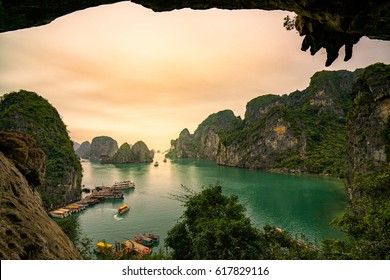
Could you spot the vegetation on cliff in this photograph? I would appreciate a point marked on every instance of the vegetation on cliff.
(28, 112)
(138, 153)
(304, 131)
(102, 148)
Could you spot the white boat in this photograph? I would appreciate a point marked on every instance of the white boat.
(128, 184)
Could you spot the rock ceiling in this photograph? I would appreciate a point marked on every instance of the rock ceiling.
(328, 24)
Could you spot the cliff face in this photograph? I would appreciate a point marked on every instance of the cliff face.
(329, 25)
(138, 153)
(84, 150)
(369, 124)
(206, 138)
(141, 153)
(28, 112)
(26, 232)
(102, 148)
(301, 132)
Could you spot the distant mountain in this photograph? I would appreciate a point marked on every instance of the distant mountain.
(102, 148)
(28, 112)
(75, 145)
(83, 151)
(138, 153)
(304, 131)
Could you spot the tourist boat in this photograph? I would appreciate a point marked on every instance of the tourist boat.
(102, 246)
(123, 185)
(124, 208)
(156, 163)
(149, 240)
(60, 214)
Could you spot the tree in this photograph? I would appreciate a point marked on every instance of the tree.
(213, 226)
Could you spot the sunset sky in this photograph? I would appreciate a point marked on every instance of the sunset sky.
(127, 72)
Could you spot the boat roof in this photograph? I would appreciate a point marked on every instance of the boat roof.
(103, 244)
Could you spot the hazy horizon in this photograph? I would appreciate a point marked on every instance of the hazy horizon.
(132, 74)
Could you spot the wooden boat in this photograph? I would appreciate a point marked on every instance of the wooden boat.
(58, 214)
(149, 240)
(141, 250)
(124, 208)
(123, 185)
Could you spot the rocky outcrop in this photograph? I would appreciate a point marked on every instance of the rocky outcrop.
(304, 131)
(205, 140)
(102, 148)
(28, 112)
(84, 150)
(123, 155)
(26, 231)
(329, 25)
(141, 153)
(369, 124)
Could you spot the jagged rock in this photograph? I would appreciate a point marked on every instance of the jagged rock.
(123, 155)
(102, 148)
(300, 132)
(330, 25)
(21, 149)
(28, 112)
(369, 124)
(205, 140)
(141, 152)
(84, 150)
(27, 232)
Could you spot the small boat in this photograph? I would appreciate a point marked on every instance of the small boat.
(102, 247)
(124, 208)
(58, 214)
(165, 160)
(86, 190)
(156, 163)
(149, 240)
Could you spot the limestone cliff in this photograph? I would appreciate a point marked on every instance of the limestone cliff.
(205, 140)
(27, 111)
(329, 25)
(26, 231)
(300, 132)
(102, 148)
(369, 124)
(84, 150)
(141, 153)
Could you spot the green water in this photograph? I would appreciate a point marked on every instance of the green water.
(299, 204)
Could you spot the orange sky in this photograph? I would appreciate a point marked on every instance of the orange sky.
(132, 74)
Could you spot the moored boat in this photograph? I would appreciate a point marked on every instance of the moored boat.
(149, 240)
(124, 208)
(103, 247)
(58, 214)
(123, 185)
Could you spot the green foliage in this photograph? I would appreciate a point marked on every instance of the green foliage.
(386, 137)
(28, 112)
(214, 226)
(70, 226)
(289, 23)
(367, 221)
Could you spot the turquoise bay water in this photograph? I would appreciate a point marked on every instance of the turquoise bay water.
(300, 204)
